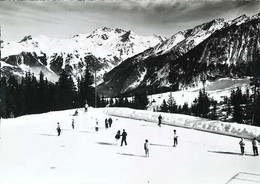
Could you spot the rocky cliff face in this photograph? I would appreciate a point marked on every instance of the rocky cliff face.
(209, 51)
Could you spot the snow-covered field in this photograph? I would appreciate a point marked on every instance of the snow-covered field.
(216, 90)
(31, 152)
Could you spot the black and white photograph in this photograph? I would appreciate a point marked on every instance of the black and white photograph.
(129, 92)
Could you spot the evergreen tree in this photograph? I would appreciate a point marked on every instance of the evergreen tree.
(3, 94)
(11, 91)
(66, 91)
(185, 108)
(203, 104)
(111, 102)
(140, 100)
(194, 107)
(164, 107)
(172, 106)
(126, 102)
(237, 112)
(86, 91)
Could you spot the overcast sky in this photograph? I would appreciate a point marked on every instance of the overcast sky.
(63, 19)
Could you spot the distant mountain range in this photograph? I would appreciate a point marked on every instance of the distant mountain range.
(209, 51)
(127, 63)
(105, 48)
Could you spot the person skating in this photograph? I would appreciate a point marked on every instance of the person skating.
(146, 148)
(110, 122)
(106, 123)
(160, 120)
(242, 146)
(175, 138)
(124, 134)
(72, 123)
(255, 147)
(58, 129)
(96, 128)
(118, 135)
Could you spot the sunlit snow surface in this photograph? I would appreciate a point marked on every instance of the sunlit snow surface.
(32, 153)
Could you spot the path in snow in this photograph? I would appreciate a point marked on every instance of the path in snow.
(31, 152)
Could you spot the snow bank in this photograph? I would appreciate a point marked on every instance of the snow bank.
(214, 126)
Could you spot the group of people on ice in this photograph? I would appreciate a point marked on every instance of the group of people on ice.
(123, 135)
(108, 122)
(254, 146)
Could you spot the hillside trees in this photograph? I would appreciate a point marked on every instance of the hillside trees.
(29, 95)
(86, 92)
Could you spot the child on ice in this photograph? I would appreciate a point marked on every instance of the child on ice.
(146, 148)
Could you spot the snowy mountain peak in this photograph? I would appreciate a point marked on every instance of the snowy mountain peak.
(239, 20)
(107, 46)
(257, 16)
(26, 38)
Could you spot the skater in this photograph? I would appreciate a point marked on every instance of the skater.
(146, 148)
(160, 120)
(255, 147)
(124, 134)
(242, 146)
(96, 128)
(110, 122)
(117, 135)
(72, 124)
(58, 129)
(175, 138)
(106, 123)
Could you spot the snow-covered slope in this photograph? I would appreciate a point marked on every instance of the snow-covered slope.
(107, 46)
(214, 50)
(31, 152)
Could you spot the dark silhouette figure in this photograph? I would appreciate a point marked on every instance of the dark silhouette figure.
(75, 113)
(146, 148)
(255, 147)
(58, 129)
(110, 121)
(118, 135)
(96, 128)
(160, 120)
(72, 124)
(242, 146)
(106, 123)
(175, 138)
(124, 134)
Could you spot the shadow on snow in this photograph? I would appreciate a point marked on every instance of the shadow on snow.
(228, 153)
(107, 143)
(132, 155)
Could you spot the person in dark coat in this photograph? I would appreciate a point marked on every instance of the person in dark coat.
(96, 128)
(118, 135)
(72, 124)
(175, 138)
(58, 129)
(160, 120)
(124, 134)
(242, 146)
(255, 147)
(110, 122)
(106, 123)
(146, 148)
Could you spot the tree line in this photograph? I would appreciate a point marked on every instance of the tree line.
(29, 95)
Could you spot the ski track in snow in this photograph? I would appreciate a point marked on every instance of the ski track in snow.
(31, 152)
